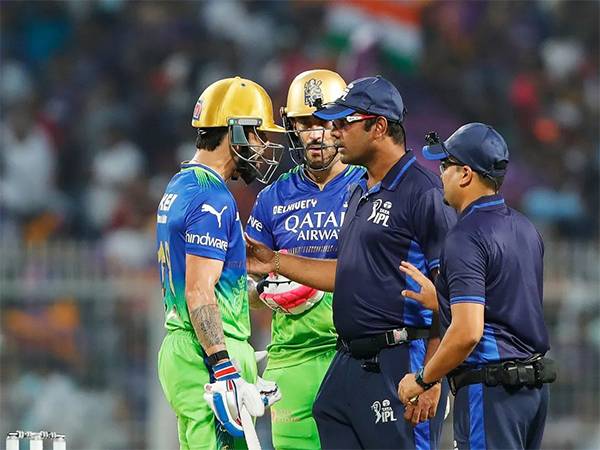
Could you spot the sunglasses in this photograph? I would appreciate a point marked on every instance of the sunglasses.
(342, 124)
(445, 163)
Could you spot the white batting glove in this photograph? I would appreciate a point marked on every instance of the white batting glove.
(230, 392)
(288, 297)
(261, 355)
(227, 395)
(269, 391)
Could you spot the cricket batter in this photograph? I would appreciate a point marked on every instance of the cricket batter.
(201, 256)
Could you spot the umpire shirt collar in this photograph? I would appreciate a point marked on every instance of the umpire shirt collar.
(394, 176)
(485, 203)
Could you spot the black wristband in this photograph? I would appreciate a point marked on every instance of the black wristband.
(421, 382)
(216, 357)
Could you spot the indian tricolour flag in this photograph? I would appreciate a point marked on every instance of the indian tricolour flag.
(395, 24)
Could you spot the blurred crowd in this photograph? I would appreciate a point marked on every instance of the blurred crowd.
(96, 99)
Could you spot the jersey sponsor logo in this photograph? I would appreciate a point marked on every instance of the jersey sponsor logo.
(255, 223)
(383, 411)
(301, 204)
(166, 202)
(380, 214)
(209, 209)
(313, 95)
(206, 240)
(315, 226)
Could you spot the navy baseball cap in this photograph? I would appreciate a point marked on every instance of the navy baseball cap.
(476, 145)
(370, 95)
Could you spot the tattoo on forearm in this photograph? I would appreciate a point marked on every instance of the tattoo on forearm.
(206, 320)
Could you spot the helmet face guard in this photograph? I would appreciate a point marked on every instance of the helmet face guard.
(255, 161)
(298, 149)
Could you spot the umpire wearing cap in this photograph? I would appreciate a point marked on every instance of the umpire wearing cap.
(489, 294)
(395, 213)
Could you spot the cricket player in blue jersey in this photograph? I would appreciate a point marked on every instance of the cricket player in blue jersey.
(206, 365)
(489, 294)
(302, 212)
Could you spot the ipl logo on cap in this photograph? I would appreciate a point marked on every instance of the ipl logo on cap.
(197, 109)
(313, 95)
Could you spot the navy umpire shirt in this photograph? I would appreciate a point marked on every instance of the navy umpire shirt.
(494, 257)
(402, 218)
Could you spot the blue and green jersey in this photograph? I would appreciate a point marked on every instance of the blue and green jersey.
(198, 216)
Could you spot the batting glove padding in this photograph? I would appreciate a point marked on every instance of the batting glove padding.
(230, 392)
(269, 391)
(283, 295)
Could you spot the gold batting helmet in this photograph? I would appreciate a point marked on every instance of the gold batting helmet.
(234, 98)
(308, 92)
(311, 90)
(240, 104)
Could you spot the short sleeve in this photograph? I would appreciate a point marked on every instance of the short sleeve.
(208, 223)
(465, 263)
(432, 220)
(259, 224)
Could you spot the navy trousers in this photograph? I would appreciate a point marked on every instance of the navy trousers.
(499, 418)
(356, 408)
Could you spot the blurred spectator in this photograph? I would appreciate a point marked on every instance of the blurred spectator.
(28, 161)
(530, 69)
(117, 163)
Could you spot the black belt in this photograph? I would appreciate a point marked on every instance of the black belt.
(517, 373)
(368, 347)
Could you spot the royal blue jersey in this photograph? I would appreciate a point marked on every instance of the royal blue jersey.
(494, 257)
(198, 216)
(402, 218)
(296, 215)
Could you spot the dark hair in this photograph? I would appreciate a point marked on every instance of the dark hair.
(491, 182)
(395, 130)
(210, 138)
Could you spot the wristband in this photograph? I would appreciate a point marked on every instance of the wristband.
(225, 370)
(216, 357)
(421, 382)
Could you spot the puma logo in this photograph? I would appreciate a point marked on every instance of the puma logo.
(209, 209)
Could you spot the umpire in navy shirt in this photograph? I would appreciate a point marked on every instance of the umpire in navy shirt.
(489, 294)
(395, 213)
